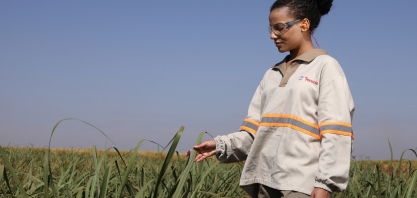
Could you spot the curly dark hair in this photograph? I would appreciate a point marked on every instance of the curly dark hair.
(310, 9)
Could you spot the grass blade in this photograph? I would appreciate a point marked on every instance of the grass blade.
(187, 170)
(167, 160)
(1, 172)
(105, 182)
(412, 187)
(13, 173)
(141, 192)
(207, 172)
(128, 169)
(7, 181)
(59, 122)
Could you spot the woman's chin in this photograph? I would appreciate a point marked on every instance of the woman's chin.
(282, 50)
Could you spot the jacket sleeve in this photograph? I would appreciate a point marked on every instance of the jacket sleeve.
(236, 146)
(335, 111)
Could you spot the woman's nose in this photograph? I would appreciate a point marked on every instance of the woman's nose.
(272, 35)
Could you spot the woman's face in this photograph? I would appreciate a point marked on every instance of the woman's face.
(289, 38)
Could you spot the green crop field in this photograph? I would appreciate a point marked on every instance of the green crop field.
(89, 173)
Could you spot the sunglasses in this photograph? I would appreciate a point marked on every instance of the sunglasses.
(280, 28)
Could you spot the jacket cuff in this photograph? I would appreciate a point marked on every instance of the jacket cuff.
(220, 146)
(320, 183)
(323, 182)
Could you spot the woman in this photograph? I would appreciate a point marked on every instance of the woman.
(297, 137)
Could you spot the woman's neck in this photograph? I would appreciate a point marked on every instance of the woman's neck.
(301, 50)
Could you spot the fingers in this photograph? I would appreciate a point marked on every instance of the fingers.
(313, 194)
(207, 144)
(196, 147)
(211, 153)
(202, 145)
(201, 156)
(204, 150)
(320, 193)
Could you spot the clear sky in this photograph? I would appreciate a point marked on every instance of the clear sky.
(141, 69)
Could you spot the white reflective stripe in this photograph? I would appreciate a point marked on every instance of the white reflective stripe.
(250, 125)
(336, 127)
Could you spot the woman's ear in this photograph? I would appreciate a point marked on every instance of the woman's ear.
(305, 25)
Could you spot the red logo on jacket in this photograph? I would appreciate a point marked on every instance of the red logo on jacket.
(308, 80)
(311, 81)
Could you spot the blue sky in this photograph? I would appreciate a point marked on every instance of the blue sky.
(141, 69)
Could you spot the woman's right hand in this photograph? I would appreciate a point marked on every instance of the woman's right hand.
(204, 150)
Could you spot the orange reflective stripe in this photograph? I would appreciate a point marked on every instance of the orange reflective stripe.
(250, 126)
(290, 121)
(292, 127)
(251, 121)
(336, 123)
(245, 128)
(298, 124)
(292, 117)
(338, 128)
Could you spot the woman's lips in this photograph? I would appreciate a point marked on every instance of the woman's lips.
(278, 44)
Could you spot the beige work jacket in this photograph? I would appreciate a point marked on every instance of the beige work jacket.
(298, 133)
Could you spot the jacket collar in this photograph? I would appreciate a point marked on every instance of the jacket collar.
(306, 57)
